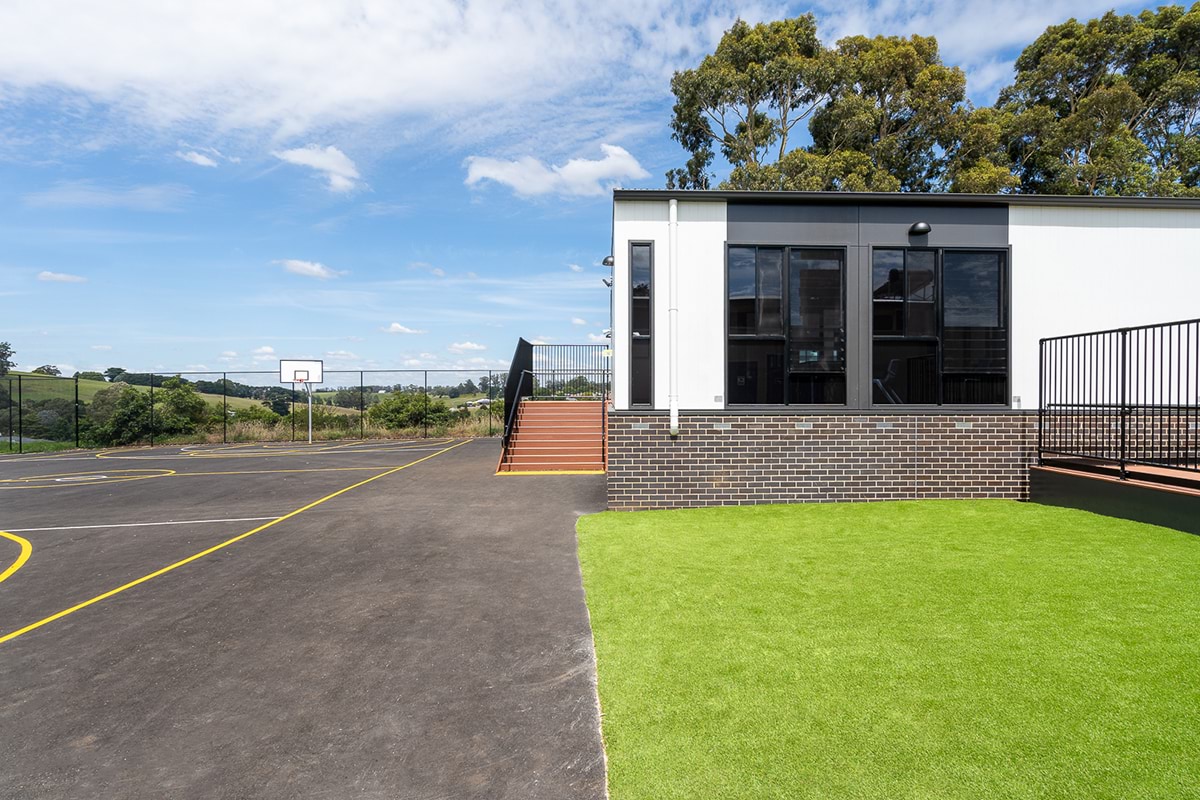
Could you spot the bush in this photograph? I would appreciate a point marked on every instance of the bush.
(412, 410)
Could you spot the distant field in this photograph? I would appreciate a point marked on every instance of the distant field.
(38, 387)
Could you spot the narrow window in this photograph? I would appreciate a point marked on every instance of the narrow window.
(641, 262)
(816, 326)
(975, 337)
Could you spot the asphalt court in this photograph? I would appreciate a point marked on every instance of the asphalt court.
(382, 619)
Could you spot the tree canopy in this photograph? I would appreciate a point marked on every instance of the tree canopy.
(1109, 106)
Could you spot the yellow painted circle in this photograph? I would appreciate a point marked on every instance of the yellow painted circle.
(90, 478)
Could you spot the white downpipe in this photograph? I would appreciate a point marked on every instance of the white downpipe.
(673, 314)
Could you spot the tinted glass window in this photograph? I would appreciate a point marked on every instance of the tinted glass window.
(756, 372)
(770, 292)
(817, 328)
(904, 372)
(921, 293)
(742, 290)
(641, 350)
(887, 273)
(973, 286)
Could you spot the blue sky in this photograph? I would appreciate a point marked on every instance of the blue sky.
(378, 184)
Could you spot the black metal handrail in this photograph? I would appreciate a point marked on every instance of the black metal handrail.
(510, 411)
(1124, 396)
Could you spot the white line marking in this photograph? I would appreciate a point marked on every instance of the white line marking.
(137, 524)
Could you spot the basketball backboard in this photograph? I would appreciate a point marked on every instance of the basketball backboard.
(300, 370)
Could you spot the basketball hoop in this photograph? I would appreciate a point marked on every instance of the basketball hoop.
(305, 373)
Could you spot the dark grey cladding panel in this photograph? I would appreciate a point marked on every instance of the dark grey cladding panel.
(753, 223)
(951, 226)
(883, 224)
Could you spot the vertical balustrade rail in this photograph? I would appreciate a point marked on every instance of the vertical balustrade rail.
(1127, 396)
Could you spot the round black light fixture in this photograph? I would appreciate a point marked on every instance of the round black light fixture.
(608, 261)
(919, 229)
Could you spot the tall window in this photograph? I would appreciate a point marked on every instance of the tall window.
(940, 327)
(786, 326)
(641, 265)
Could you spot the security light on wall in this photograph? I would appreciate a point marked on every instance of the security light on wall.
(919, 229)
(608, 261)
(607, 282)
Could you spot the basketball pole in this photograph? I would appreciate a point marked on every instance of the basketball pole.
(308, 391)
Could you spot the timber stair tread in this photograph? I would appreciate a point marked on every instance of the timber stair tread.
(556, 436)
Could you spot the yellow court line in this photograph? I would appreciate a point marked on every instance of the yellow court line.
(278, 471)
(116, 477)
(26, 549)
(215, 548)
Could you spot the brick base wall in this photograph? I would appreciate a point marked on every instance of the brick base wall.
(739, 459)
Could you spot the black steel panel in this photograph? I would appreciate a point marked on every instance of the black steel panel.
(1170, 509)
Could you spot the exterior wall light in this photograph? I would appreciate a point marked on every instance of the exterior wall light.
(608, 261)
(919, 229)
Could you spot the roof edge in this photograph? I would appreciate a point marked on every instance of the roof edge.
(913, 198)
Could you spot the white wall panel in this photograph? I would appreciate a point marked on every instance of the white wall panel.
(1085, 269)
(638, 221)
(702, 232)
(701, 349)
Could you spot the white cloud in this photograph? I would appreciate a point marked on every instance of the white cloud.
(396, 327)
(60, 277)
(578, 321)
(102, 347)
(463, 347)
(309, 269)
(199, 159)
(598, 338)
(474, 69)
(86, 194)
(528, 176)
(574, 268)
(337, 167)
(421, 266)
(344, 355)
(265, 350)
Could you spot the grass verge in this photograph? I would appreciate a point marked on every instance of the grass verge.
(895, 650)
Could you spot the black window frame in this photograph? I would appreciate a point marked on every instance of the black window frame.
(785, 337)
(633, 334)
(1004, 285)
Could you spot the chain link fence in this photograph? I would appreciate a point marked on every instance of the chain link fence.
(42, 412)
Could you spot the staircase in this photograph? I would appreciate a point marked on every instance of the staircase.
(556, 436)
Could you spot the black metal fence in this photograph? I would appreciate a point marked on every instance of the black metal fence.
(1128, 396)
(42, 412)
(556, 372)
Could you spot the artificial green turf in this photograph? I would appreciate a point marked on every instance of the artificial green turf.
(952, 649)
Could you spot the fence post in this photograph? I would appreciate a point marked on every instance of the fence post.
(10, 416)
(152, 409)
(76, 412)
(20, 416)
(425, 413)
(1041, 398)
(362, 406)
(489, 406)
(224, 408)
(1124, 396)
